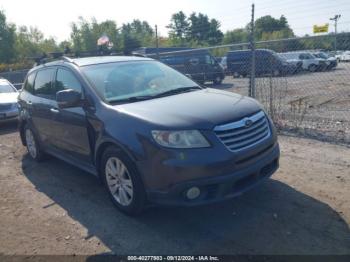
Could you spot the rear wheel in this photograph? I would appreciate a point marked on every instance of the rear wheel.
(217, 80)
(236, 75)
(276, 72)
(32, 144)
(123, 182)
(312, 68)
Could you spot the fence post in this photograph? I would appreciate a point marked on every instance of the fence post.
(252, 47)
(157, 43)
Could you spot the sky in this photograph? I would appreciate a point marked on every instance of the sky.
(54, 18)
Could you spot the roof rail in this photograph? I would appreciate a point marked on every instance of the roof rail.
(68, 55)
(67, 59)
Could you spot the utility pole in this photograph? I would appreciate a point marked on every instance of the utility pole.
(335, 19)
(157, 52)
(252, 48)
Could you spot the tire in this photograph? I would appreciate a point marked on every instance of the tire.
(122, 181)
(33, 145)
(236, 75)
(312, 68)
(217, 80)
(276, 73)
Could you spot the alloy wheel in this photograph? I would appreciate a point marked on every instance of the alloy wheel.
(31, 145)
(119, 181)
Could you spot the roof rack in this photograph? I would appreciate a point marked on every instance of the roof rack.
(68, 55)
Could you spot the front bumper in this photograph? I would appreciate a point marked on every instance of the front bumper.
(10, 114)
(219, 188)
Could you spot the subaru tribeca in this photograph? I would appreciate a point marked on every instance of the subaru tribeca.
(150, 133)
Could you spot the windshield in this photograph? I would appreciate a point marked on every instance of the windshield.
(281, 57)
(6, 88)
(124, 80)
(321, 55)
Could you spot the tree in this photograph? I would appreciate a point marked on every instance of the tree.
(201, 31)
(267, 25)
(136, 34)
(7, 40)
(179, 27)
(30, 42)
(84, 34)
(239, 35)
(215, 36)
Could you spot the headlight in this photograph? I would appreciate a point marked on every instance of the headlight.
(180, 139)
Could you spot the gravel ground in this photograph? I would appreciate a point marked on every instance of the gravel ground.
(54, 208)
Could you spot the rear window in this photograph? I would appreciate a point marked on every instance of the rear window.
(43, 83)
(6, 88)
(29, 84)
(238, 55)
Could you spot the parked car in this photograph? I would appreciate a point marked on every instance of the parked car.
(267, 62)
(292, 60)
(331, 62)
(310, 62)
(200, 65)
(338, 54)
(8, 101)
(345, 56)
(223, 63)
(149, 132)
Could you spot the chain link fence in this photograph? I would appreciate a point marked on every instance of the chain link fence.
(15, 77)
(304, 88)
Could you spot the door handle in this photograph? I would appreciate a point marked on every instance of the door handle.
(54, 110)
(29, 102)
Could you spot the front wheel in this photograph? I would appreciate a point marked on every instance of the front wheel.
(123, 182)
(217, 80)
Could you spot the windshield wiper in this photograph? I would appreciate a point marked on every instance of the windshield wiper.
(166, 93)
(178, 91)
(130, 99)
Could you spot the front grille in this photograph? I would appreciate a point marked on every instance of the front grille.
(244, 133)
(4, 107)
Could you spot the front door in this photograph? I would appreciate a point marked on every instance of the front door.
(70, 124)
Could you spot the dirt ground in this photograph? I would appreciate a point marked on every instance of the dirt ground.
(54, 208)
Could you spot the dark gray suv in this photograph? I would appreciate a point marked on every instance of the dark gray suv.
(150, 133)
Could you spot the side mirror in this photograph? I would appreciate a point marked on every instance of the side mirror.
(68, 98)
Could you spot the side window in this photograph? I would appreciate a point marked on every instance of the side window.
(43, 83)
(29, 84)
(66, 80)
(194, 61)
(208, 59)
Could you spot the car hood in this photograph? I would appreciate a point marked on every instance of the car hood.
(202, 109)
(6, 98)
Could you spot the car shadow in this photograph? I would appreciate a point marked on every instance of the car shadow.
(273, 218)
(8, 127)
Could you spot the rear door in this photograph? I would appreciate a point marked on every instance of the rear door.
(41, 103)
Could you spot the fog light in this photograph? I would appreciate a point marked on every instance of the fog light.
(193, 193)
